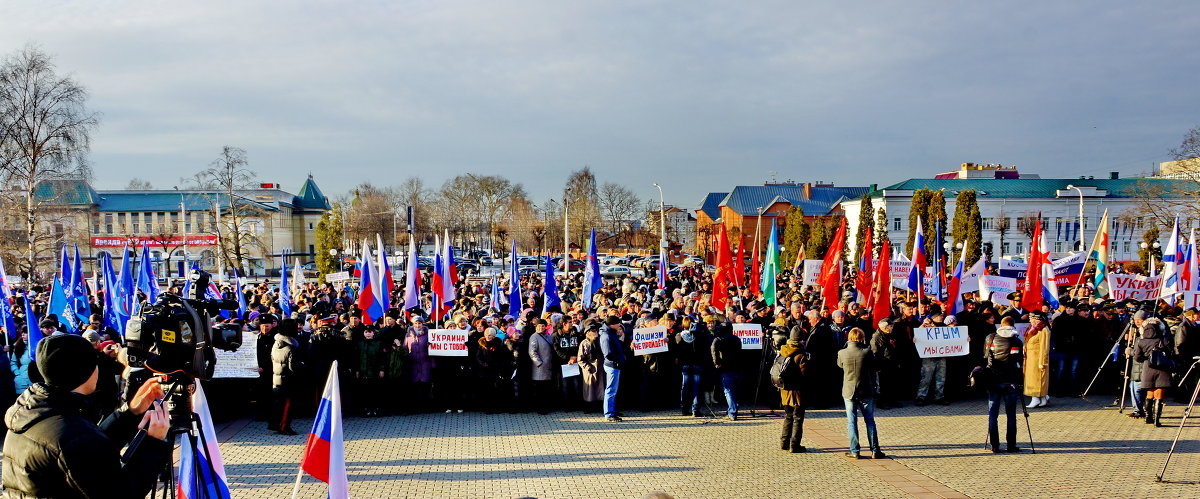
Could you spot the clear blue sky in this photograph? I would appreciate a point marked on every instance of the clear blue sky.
(697, 96)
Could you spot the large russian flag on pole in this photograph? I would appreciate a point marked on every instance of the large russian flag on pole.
(916, 275)
(368, 300)
(324, 454)
(201, 471)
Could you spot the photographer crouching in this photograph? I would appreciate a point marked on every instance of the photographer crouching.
(54, 450)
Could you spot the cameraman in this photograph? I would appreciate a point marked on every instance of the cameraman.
(52, 450)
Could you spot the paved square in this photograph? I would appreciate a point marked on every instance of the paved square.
(1082, 451)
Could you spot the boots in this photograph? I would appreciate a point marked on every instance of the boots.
(1158, 413)
(785, 444)
(1148, 410)
(1033, 402)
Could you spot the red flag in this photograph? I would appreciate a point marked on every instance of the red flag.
(831, 269)
(863, 281)
(1031, 296)
(724, 274)
(739, 265)
(754, 271)
(881, 306)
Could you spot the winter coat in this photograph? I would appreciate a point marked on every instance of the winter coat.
(1152, 339)
(285, 361)
(52, 450)
(614, 351)
(1037, 361)
(858, 368)
(371, 359)
(726, 350)
(417, 343)
(793, 398)
(591, 370)
(494, 360)
(19, 364)
(695, 353)
(396, 358)
(886, 347)
(1000, 357)
(541, 354)
(324, 347)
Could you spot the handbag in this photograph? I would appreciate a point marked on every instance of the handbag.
(1161, 360)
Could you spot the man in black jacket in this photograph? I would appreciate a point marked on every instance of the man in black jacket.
(285, 368)
(726, 349)
(52, 450)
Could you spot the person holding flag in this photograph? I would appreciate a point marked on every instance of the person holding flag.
(592, 280)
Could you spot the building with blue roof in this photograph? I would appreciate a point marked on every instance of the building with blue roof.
(191, 223)
(749, 210)
(1004, 196)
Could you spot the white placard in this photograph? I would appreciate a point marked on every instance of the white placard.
(337, 276)
(240, 364)
(648, 340)
(933, 342)
(1137, 287)
(569, 370)
(750, 334)
(996, 287)
(448, 342)
(812, 270)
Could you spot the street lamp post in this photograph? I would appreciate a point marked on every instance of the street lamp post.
(566, 234)
(183, 226)
(1082, 227)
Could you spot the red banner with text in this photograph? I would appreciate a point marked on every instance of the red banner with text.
(152, 241)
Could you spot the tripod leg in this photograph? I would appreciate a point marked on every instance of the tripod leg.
(1028, 429)
(1179, 432)
(1125, 386)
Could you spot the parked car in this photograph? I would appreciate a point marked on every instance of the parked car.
(486, 261)
(649, 263)
(525, 271)
(634, 261)
(616, 271)
(467, 267)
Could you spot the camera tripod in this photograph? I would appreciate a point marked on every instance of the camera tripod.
(1111, 352)
(765, 360)
(1186, 413)
(987, 439)
(204, 474)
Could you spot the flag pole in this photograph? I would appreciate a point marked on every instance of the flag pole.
(296, 487)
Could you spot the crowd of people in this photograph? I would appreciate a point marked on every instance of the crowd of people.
(844, 357)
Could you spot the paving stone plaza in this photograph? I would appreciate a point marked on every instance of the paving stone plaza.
(1083, 450)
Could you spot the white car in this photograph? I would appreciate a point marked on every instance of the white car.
(616, 271)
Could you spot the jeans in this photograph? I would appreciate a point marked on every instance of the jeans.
(571, 391)
(729, 382)
(1067, 368)
(866, 407)
(1136, 395)
(689, 396)
(933, 375)
(1009, 395)
(612, 378)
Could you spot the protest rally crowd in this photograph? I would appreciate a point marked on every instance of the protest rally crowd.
(704, 342)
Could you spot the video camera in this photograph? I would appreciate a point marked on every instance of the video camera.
(174, 337)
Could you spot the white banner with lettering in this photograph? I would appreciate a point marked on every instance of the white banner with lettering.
(933, 342)
(750, 334)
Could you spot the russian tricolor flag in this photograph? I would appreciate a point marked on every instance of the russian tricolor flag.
(324, 454)
(201, 471)
(368, 295)
(916, 276)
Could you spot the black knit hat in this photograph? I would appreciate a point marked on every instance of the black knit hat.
(66, 360)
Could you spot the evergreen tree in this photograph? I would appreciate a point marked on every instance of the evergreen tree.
(818, 240)
(917, 210)
(935, 217)
(881, 230)
(968, 225)
(329, 236)
(795, 235)
(865, 218)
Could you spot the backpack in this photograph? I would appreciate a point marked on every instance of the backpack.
(785, 373)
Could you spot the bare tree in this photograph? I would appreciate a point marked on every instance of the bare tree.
(1162, 201)
(581, 196)
(412, 192)
(371, 211)
(228, 174)
(45, 133)
(619, 208)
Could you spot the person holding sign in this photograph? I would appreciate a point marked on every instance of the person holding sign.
(726, 350)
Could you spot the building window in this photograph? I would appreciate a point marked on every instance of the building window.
(1058, 246)
(108, 228)
(896, 223)
(59, 230)
(987, 224)
(1139, 222)
(135, 227)
(1126, 246)
(1020, 247)
(312, 249)
(310, 226)
(1004, 249)
(134, 217)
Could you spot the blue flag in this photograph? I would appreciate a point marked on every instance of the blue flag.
(124, 292)
(58, 302)
(494, 295)
(285, 294)
(112, 316)
(592, 280)
(6, 297)
(187, 282)
(32, 327)
(79, 294)
(550, 288)
(514, 284)
(147, 282)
